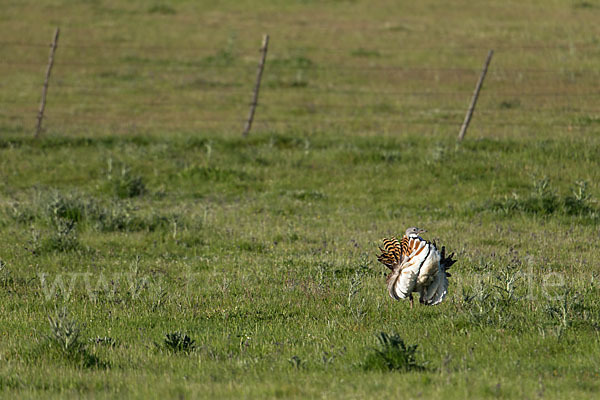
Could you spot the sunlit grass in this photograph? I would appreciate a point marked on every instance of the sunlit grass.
(170, 257)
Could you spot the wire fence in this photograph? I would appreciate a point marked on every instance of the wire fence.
(306, 88)
(114, 46)
(174, 65)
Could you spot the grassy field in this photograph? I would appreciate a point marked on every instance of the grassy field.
(148, 250)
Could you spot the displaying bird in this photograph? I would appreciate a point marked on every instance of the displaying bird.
(416, 266)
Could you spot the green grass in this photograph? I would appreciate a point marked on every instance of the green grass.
(269, 266)
(148, 250)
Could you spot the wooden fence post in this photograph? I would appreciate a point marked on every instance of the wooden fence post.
(259, 72)
(465, 125)
(40, 115)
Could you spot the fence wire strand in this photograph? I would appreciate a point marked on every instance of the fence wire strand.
(73, 99)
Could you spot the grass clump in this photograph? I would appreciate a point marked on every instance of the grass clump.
(103, 341)
(177, 342)
(213, 174)
(306, 195)
(19, 213)
(583, 4)
(494, 303)
(5, 275)
(569, 309)
(63, 237)
(162, 9)
(121, 216)
(65, 341)
(126, 185)
(70, 207)
(392, 355)
(580, 201)
(544, 200)
(297, 362)
(64, 213)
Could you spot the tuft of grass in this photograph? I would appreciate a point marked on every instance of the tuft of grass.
(68, 207)
(362, 52)
(510, 104)
(281, 142)
(64, 213)
(494, 302)
(213, 174)
(297, 362)
(392, 354)
(103, 341)
(177, 342)
(5, 275)
(580, 201)
(544, 200)
(162, 9)
(65, 340)
(583, 4)
(19, 212)
(123, 217)
(307, 195)
(587, 120)
(63, 237)
(64, 332)
(252, 246)
(126, 185)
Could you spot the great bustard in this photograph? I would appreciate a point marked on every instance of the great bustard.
(416, 266)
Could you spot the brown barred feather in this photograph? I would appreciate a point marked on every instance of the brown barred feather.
(391, 254)
(405, 245)
(390, 244)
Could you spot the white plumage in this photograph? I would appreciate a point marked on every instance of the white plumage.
(416, 266)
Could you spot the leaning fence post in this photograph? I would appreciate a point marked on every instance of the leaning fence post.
(465, 125)
(259, 72)
(40, 115)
